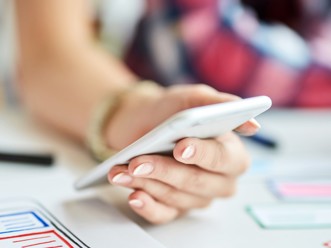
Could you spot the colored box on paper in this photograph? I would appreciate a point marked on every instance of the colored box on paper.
(291, 216)
(37, 239)
(302, 189)
(20, 221)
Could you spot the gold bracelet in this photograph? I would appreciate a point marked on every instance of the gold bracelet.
(95, 140)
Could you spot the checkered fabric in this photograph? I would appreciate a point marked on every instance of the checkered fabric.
(225, 44)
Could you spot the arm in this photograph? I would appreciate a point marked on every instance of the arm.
(64, 75)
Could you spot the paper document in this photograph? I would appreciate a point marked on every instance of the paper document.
(27, 224)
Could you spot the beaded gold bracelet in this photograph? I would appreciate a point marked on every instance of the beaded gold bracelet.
(95, 137)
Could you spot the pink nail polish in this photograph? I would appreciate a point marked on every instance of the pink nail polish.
(143, 169)
(122, 178)
(255, 123)
(136, 203)
(188, 152)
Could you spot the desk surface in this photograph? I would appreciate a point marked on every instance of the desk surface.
(304, 144)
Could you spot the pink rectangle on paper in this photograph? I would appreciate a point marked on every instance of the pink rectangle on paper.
(304, 189)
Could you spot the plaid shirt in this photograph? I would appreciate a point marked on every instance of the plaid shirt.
(223, 44)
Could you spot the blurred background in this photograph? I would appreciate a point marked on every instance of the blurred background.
(7, 50)
(250, 47)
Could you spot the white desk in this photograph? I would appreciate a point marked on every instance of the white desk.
(92, 219)
(304, 144)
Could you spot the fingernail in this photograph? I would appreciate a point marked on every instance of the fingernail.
(136, 203)
(255, 123)
(122, 178)
(188, 152)
(143, 169)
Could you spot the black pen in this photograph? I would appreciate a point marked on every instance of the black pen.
(264, 140)
(43, 159)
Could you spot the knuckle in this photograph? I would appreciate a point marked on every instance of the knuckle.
(219, 157)
(212, 157)
(160, 167)
(202, 155)
(195, 92)
(204, 203)
(241, 165)
(137, 183)
(245, 164)
(199, 88)
(169, 196)
(216, 163)
(194, 181)
(158, 219)
(228, 191)
(162, 173)
(194, 204)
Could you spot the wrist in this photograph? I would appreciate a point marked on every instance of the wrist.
(108, 117)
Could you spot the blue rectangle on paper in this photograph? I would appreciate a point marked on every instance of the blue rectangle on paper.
(20, 221)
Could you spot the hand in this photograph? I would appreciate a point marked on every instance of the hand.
(165, 187)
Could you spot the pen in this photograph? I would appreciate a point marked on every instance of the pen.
(263, 140)
(45, 159)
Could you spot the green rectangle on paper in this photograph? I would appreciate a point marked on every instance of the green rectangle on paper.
(291, 216)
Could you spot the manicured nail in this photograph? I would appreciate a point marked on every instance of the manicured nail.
(188, 152)
(136, 203)
(143, 169)
(122, 178)
(255, 123)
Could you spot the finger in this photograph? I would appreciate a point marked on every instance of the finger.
(119, 175)
(188, 178)
(248, 128)
(226, 155)
(162, 192)
(199, 95)
(151, 210)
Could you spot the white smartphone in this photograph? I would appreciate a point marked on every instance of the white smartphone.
(201, 122)
(25, 223)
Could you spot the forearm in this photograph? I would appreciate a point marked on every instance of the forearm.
(62, 80)
(65, 91)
